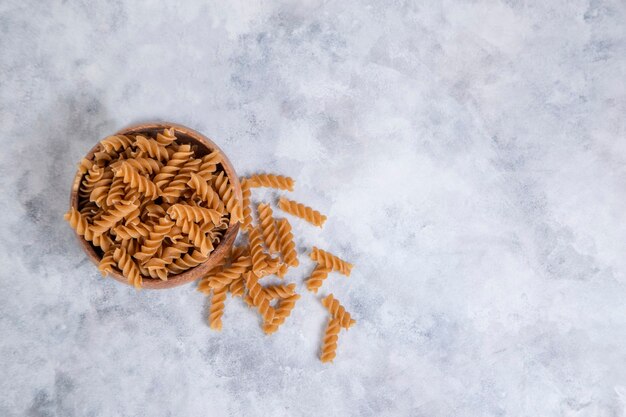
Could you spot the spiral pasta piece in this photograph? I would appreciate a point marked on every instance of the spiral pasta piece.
(156, 271)
(300, 210)
(133, 217)
(199, 239)
(85, 165)
(167, 137)
(216, 310)
(115, 194)
(155, 239)
(282, 270)
(131, 231)
(279, 291)
(111, 217)
(273, 265)
(283, 310)
(170, 254)
(225, 191)
(178, 185)
(133, 178)
(259, 260)
(237, 287)
(331, 261)
(329, 346)
(174, 165)
(338, 311)
(230, 273)
(180, 212)
(103, 158)
(209, 165)
(128, 267)
(103, 241)
(152, 148)
(286, 243)
(268, 227)
(143, 165)
(279, 182)
(188, 261)
(315, 281)
(246, 206)
(107, 263)
(116, 143)
(131, 246)
(205, 192)
(99, 194)
(93, 176)
(258, 297)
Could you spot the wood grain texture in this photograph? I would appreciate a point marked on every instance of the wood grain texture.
(205, 146)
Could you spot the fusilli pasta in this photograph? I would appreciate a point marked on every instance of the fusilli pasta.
(300, 210)
(272, 181)
(331, 261)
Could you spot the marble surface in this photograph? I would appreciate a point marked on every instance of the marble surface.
(471, 157)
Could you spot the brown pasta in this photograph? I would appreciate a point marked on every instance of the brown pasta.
(152, 148)
(226, 192)
(237, 287)
(154, 240)
(133, 178)
(107, 263)
(116, 143)
(194, 214)
(331, 261)
(128, 267)
(338, 311)
(208, 165)
(258, 298)
(154, 198)
(329, 346)
(205, 192)
(315, 281)
(259, 259)
(287, 245)
(230, 273)
(247, 210)
(268, 227)
(300, 210)
(216, 311)
(279, 182)
(283, 310)
(153, 209)
(279, 291)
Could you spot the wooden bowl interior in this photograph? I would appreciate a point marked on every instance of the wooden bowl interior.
(205, 146)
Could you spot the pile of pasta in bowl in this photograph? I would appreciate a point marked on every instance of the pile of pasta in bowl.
(150, 207)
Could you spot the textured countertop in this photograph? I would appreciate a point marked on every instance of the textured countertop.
(471, 157)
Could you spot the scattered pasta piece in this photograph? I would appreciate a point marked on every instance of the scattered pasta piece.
(329, 346)
(216, 310)
(338, 312)
(300, 210)
(331, 261)
(287, 245)
(279, 182)
(283, 310)
(258, 297)
(317, 278)
(268, 227)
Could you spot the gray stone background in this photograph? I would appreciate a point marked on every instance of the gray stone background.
(471, 157)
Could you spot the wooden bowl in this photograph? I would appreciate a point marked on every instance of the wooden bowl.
(205, 146)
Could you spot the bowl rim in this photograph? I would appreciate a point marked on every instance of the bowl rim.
(223, 246)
